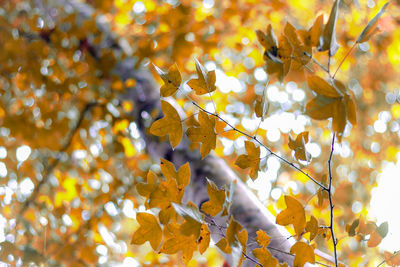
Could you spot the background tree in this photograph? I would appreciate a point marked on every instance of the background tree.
(79, 114)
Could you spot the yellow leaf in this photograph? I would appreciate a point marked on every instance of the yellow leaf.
(251, 160)
(205, 82)
(145, 189)
(320, 108)
(182, 176)
(268, 41)
(166, 192)
(262, 238)
(172, 80)
(316, 30)
(321, 87)
(204, 134)
(372, 26)
(299, 59)
(170, 124)
(312, 227)
(204, 239)
(304, 253)
(328, 39)
(299, 147)
(179, 242)
(293, 214)
(216, 202)
(392, 259)
(265, 257)
(149, 230)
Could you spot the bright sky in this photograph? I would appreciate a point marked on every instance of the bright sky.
(385, 204)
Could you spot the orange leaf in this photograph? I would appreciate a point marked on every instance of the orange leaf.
(293, 214)
(204, 239)
(372, 26)
(172, 80)
(204, 134)
(322, 87)
(216, 202)
(262, 238)
(392, 259)
(251, 160)
(298, 146)
(149, 230)
(264, 257)
(328, 39)
(304, 253)
(182, 176)
(171, 124)
(205, 82)
(312, 227)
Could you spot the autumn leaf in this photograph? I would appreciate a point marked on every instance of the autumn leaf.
(293, 214)
(312, 227)
(351, 228)
(303, 253)
(268, 41)
(171, 124)
(172, 80)
(179, 242)
(204, 239)
(251, 160)
(300, 50)
(372, 26)
(278, 57)
(145, 189)
(205, 82)
(328, 39)
(217, 199)
(167, 192)
(265, 257)
(332, 101)
(262, 238)
(204, 134)
(149, 230)
(392, 259)
(322, 87)
(234, 241)
(182, 176)
(377, 235)
(298, 146)
(262, 106)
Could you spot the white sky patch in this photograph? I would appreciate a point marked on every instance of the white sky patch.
(227, 83)
(23, 153)
(385, 199)
(3, 170)
(260, 75)
(3, 152)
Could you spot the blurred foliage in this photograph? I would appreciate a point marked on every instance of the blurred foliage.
(62, 121)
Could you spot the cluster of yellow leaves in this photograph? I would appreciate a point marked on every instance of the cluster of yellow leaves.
(188, 236)
(334, 101)
(361, 228)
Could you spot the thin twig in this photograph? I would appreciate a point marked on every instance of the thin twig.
(334, 241)
(316, 62)
(261, 144)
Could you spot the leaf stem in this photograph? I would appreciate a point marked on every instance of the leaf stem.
(344, 58)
